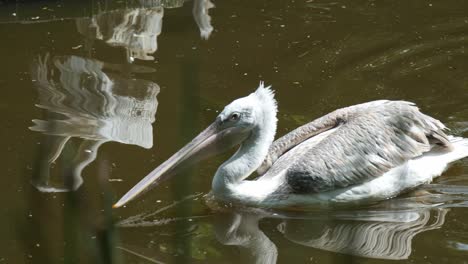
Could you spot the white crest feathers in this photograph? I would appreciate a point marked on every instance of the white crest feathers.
(266, 96)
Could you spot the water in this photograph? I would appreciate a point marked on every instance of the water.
(96, 94)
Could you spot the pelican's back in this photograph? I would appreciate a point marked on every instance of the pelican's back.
(362, 143)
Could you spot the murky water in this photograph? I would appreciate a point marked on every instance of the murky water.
(96, 94)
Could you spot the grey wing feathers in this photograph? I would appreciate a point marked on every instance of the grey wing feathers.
(371, 139)
(302, 133)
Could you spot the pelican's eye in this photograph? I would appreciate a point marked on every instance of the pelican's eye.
(234, 117)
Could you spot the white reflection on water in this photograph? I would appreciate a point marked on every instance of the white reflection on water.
(383, 231)
(137, 29)
(387, 236)
(88, 99)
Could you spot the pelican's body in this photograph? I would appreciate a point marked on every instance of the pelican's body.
(365, 152)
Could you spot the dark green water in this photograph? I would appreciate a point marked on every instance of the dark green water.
(114, 89)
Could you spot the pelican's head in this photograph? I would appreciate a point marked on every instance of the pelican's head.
(255, 113)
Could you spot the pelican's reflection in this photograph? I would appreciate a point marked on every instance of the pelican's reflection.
(137, 28)
(384, 235)
(381, 234)
(241, 230)
(90, 100)
(387, 235)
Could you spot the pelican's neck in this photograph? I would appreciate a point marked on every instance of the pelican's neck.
(245, 161)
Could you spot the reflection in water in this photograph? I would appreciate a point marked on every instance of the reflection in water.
(85, 99)
(201, 16)
(383, 232)
(386, 235)
(137, 29)
(241, 230)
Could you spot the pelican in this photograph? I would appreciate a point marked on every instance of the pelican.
(366, 152)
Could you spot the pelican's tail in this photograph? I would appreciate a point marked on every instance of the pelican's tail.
(433, 163)
(459, 149)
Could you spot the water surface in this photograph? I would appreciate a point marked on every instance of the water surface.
(96, 94)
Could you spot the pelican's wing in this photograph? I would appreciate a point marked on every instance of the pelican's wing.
(365, 141)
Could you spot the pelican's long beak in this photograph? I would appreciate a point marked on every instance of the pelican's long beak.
(212, 139)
